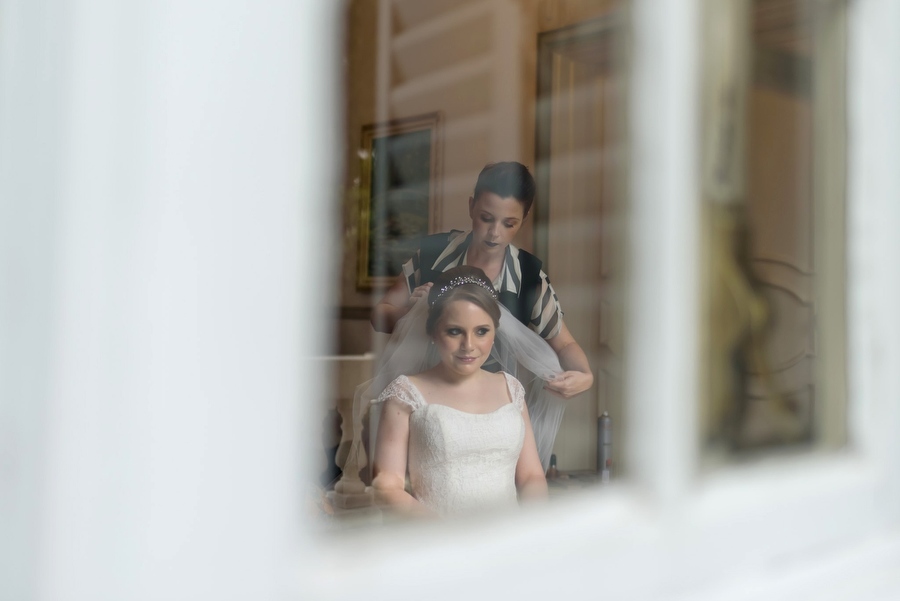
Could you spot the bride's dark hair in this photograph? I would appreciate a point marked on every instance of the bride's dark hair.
(461, 283)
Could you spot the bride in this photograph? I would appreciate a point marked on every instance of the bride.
(462, 433)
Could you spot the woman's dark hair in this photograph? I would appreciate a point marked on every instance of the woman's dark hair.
(507, 179)
(476, 288)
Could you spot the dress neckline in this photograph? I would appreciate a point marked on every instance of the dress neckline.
(425, 403)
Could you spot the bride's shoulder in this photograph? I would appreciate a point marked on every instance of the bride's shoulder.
(403, 390)
(510, 379)
(515, 388)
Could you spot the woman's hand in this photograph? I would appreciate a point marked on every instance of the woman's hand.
(578, 376)
(570, 383)
(420, 292)
(396, 303)
(390, 493)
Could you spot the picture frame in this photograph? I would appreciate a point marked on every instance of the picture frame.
(399, 196)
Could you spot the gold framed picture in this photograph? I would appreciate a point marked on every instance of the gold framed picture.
(399, 200)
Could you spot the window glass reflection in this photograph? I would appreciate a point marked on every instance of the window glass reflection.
(435, 92)
(771, 319)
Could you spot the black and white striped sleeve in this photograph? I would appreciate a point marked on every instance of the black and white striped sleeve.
(546, 315)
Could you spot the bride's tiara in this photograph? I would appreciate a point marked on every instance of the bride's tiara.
(462, 281)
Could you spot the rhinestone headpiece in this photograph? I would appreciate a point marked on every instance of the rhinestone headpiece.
(462, 281)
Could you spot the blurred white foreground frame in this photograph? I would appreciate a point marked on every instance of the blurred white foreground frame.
(168, 176)
(820, 525)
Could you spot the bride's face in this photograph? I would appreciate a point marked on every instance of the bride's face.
(463, 337)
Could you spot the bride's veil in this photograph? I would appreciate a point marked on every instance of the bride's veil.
(518, 350)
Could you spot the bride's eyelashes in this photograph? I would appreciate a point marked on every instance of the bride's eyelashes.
(479, 332)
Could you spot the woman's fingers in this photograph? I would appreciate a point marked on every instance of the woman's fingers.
(419, 292)
(568, 384)
(558, 385)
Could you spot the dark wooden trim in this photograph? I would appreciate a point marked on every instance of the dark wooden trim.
(355, 313)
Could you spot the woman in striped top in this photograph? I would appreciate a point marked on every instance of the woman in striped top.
(503, 196)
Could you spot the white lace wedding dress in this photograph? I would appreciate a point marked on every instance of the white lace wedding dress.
(459, 461)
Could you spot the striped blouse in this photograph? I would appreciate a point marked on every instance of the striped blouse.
(546, 315)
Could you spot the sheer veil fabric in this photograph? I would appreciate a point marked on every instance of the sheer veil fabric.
(519, 352)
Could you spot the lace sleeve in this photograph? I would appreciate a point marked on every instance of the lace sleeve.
(402, 390)
(516, 391)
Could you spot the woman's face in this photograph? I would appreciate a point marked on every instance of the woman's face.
(463, 337)
(495, 221)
